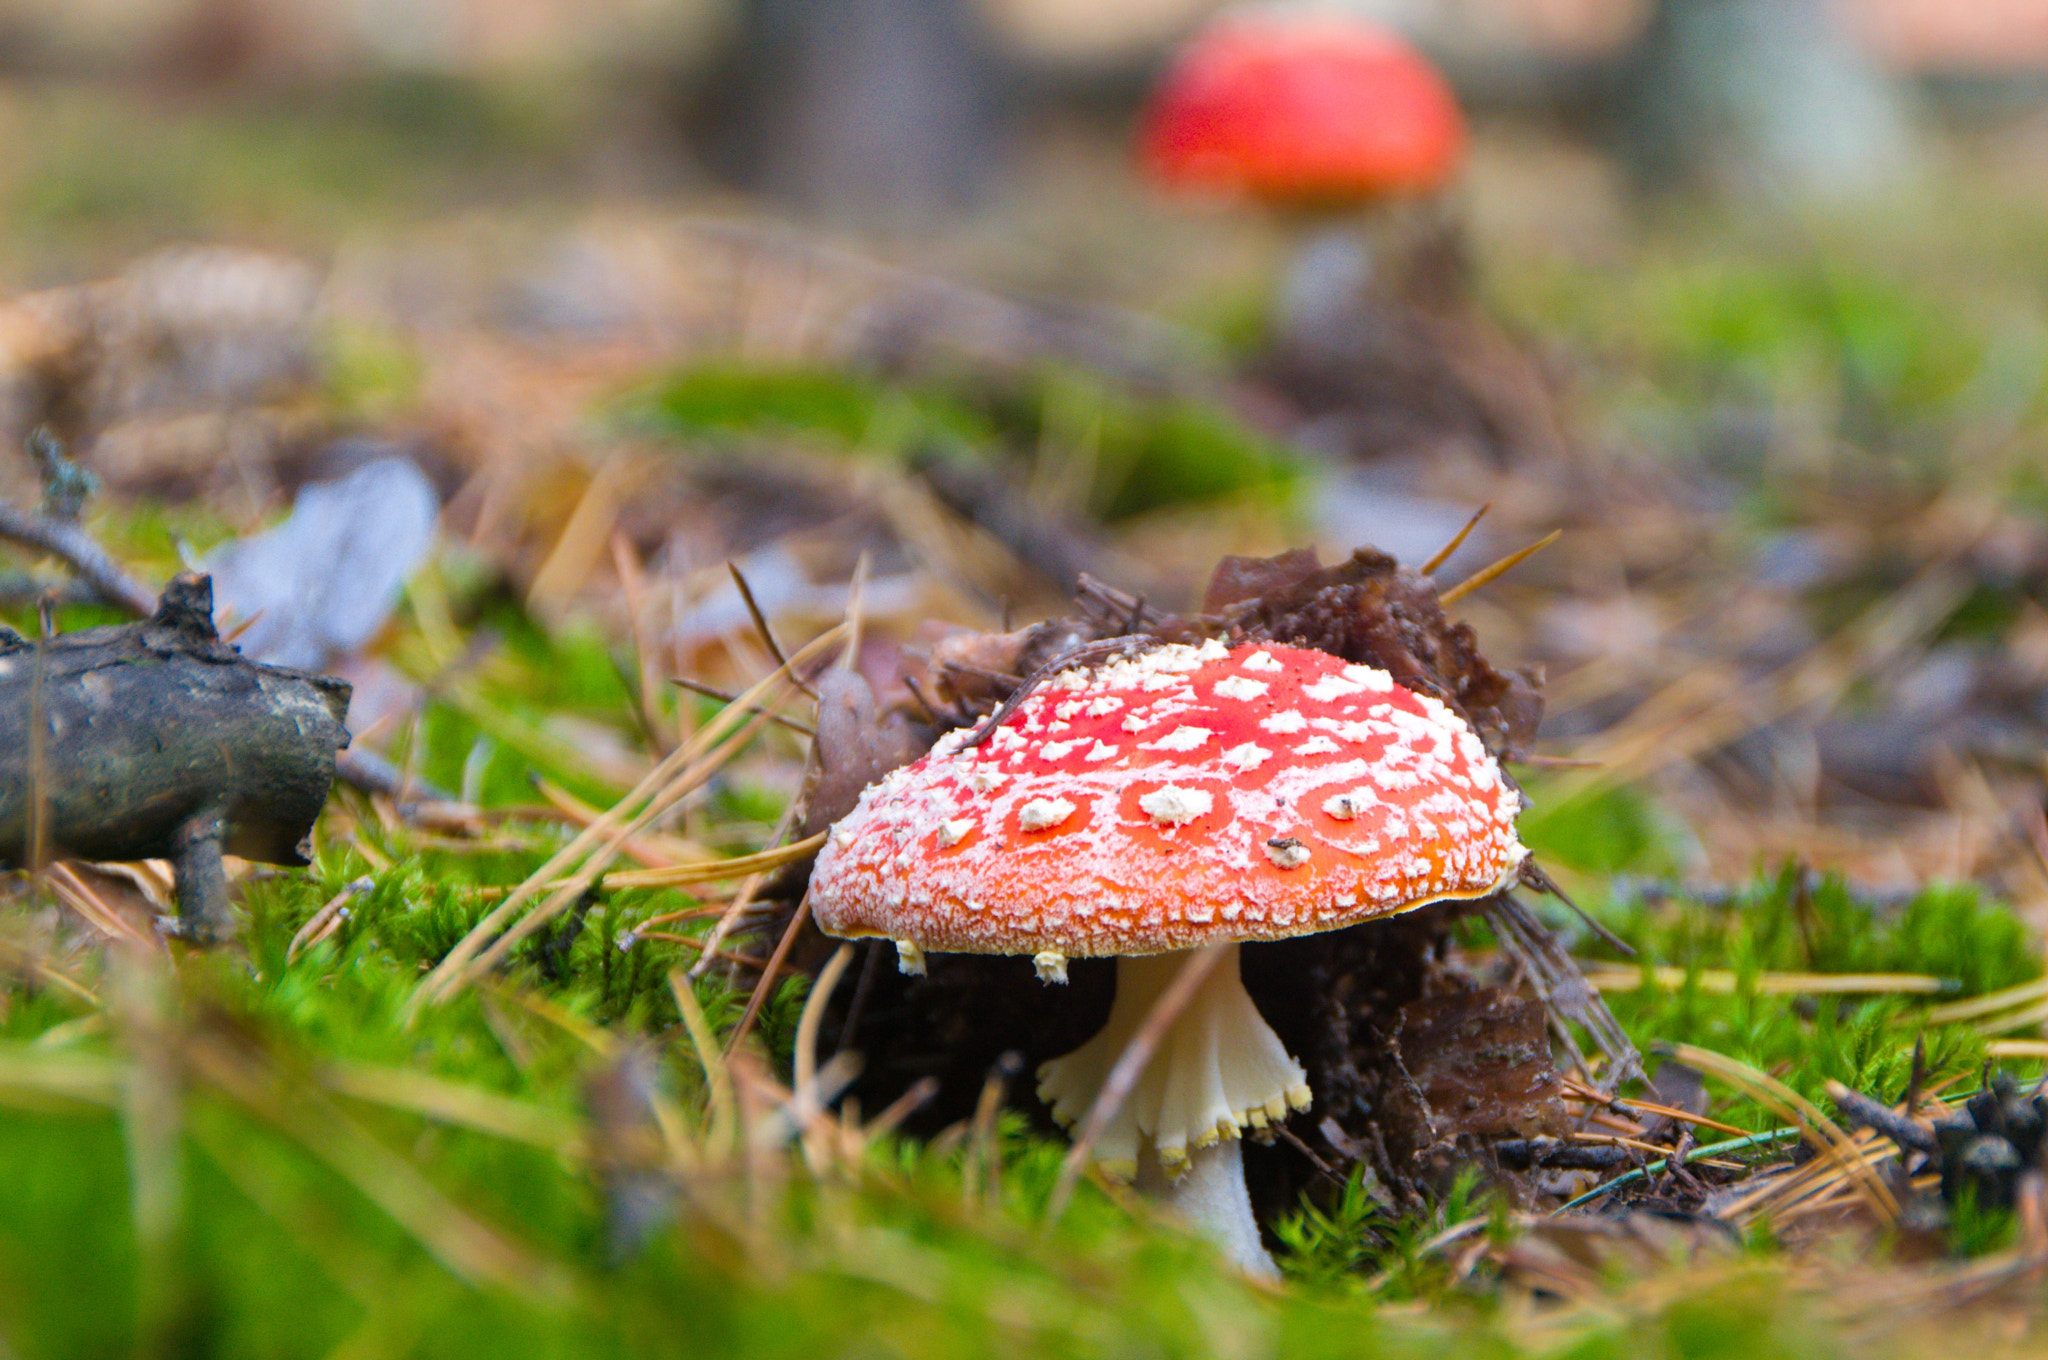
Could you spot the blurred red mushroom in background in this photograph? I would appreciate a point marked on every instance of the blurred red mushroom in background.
(1303, 107)
(1375, 352)
(1315, 111)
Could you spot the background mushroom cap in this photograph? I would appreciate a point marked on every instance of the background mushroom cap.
(1189, 796)
(1303, 107)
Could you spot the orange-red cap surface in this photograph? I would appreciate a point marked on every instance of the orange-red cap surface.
(1303, 107)
(1189, 796)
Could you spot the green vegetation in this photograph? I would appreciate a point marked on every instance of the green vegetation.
(288, 165)
(1128, 453)
(286, 1149)
(1791, 923)
(277, 1152)
(276, 1156)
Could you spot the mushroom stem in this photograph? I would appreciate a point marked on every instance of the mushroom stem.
(1210, 1197)
(1331, 270)
(1216, 1070)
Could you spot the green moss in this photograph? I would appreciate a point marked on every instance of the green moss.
(115, 169)
(1790, 923)
(1139, 453)
(1979, 1230)
(368, 376)
(1607, 831)
(278, 1248)
(830, 405)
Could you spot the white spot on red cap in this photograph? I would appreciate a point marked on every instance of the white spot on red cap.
(1042, 814)
(1287, 852)
(1372, 678)
(955, 831)
(1186, 737)
(1318, 746)
(1241, 688)
(1172, 805)
(1261, 661)
(1346, 806)
(1249, 756)
(1284, 723)
(1329, 689)
(1102, 750)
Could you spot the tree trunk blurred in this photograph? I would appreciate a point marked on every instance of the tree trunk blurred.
(1767, 97)
(878, 112)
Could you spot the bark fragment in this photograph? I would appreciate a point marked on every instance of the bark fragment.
(157, 740)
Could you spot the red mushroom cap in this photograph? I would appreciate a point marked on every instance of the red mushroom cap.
(1299, 107)
(1187, 797)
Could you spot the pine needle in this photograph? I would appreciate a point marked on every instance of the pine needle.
(684, 769)
(1823, 1133)
(1725, 982)
(1977, 1007)
(458, 1104)
(717, 1075)
(680, 875)
(1506, 564)
(75, 893)
(1443, 554)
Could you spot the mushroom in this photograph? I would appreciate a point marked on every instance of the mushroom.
(1310, 110)
(1188, 798)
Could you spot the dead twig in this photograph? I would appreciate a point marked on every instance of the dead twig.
(739, 579)
(75, 548)
(56, 531)
(1859, 1109)
(725, 697)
